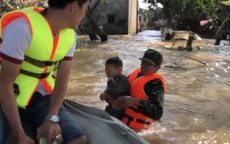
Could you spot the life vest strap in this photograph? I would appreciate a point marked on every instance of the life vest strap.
(134, 109)
(137, 120)
(39, 63)
(35, 75)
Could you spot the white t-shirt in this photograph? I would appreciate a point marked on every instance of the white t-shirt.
(17, 38)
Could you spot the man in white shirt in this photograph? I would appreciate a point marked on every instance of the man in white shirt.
(45, 111)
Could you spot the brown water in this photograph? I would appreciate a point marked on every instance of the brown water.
(197, 102)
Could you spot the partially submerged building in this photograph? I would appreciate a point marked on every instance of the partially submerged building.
(117, 16)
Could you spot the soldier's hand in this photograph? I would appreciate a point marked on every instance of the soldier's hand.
(125, 101)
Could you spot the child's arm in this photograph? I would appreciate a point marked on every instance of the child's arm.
(117, 87)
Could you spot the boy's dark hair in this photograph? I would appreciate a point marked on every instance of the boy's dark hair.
(61, 4)
(116, 61)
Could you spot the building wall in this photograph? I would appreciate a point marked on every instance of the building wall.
(118, 8)
(133, 17)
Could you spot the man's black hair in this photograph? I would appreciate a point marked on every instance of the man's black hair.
(61, 4)
(116, 61)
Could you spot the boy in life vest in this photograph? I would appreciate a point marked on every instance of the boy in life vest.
(35, 41)
(145, 103)
(117, 85)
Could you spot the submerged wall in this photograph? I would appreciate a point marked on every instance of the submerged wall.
(118, 16)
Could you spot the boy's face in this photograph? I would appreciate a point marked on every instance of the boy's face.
(112, 71)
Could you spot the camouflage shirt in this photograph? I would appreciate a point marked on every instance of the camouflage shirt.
(154, 89)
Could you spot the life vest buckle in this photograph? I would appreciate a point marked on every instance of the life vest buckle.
(44, 75)
(16, 89)
(39, 63)
(49, 63)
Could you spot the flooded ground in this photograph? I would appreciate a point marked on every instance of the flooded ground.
(197, 102)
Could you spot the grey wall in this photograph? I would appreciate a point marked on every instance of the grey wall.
(117, 7)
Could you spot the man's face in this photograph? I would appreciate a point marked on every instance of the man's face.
(82, 11)
(78, 13)
(147, 68)
(112, 71)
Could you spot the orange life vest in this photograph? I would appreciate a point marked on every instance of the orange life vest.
(132, 117)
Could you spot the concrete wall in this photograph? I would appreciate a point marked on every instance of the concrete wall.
(133, 19)
(125, 12)
(118, 8)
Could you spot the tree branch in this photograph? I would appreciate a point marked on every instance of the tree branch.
(95, 6)
(9, 5)
(89, 9)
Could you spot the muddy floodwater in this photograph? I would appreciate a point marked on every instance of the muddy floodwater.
(197, 102)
